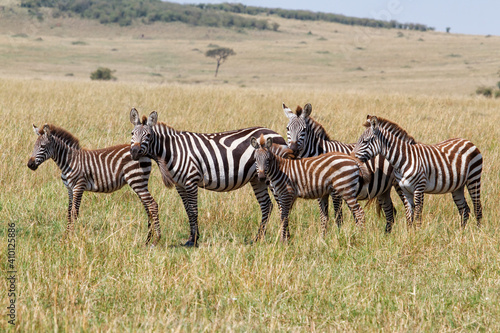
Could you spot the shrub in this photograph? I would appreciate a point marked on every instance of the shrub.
(497, 93)
(102, 73)
(498, 84)
(485, 91)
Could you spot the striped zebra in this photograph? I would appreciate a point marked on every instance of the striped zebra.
(102, 170)
(445, 167)
(307, 138)
(311, 178)
(219, 162)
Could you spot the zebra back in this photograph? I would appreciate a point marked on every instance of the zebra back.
(215, 161)
(104, 170)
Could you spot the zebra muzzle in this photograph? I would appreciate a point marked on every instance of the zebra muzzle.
(261, 176)
(135, 151)
(32, 164)
(294, 147)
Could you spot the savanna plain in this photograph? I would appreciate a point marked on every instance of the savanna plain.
(439, 277)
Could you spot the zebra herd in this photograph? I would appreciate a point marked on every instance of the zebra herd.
(308, 165)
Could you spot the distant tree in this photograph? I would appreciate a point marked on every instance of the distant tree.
(220, 54)
(102, 73)
(448, 30)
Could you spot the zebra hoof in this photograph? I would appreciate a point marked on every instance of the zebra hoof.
(190, 243)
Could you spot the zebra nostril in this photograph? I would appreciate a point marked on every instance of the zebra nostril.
(32, 164)
(135, 151)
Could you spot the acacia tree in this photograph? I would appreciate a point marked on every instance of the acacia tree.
(220, 54)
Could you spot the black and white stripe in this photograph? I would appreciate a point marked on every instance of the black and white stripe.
(307, 138)
(445, 167)
(218, 162)
(102, 170)
(311, 178)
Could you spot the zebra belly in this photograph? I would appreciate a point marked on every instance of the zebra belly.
(432, 189)
(106, 188)
(213, 186)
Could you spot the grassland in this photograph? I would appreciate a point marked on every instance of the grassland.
(437, 278)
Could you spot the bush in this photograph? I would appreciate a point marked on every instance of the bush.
(102, 73)
(485, 91)
(498, 84)
(497, 93)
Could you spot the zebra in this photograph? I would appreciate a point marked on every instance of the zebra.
(219, 162)
(445, 167)
(306, 137)
(311, 178)
(102, 170)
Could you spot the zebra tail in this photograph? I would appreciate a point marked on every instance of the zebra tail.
(166, 176)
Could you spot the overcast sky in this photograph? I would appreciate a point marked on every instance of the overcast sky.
(479, 17)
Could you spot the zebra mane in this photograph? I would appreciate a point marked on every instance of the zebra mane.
(165, 125)
(393, 128)
(63, 135)
(318, 129)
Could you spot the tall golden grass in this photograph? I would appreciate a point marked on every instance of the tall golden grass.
(438, 278)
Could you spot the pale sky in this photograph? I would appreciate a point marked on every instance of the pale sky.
(479, 17)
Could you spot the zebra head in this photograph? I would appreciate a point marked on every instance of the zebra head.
(262, 155)
(296, 129)
(141, 134)
(43, 147)
(368, 145)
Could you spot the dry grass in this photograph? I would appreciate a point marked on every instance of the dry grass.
(438, 278)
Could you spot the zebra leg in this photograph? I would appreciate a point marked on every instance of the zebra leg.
(337, 207)
(474, 189)
(356, 210)
(461, 203)
(385, 201)
(323, 210)
(75, 209)
(70, 204)
(265, 203)
(419, 205)
(151, 208)
(189, 196)
(286, 204)
(400, 193)
(409, 207)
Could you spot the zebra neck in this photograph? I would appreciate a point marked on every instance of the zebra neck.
(393, 148)
(276, 174)
(318, 140)
(320, 143)
(163, 144)
(63, 155)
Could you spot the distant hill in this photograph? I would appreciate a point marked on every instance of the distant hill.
(124, 12)
(315, 16)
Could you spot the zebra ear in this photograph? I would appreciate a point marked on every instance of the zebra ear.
(269, 143)
(152, 119)
(254, 143)
(374, 122)
(46, 130)
(307, 110)
(287, 111)
(35, 129)
(134, 117)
